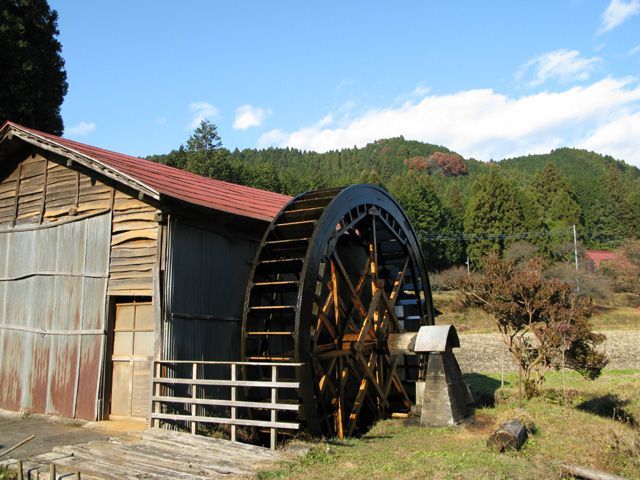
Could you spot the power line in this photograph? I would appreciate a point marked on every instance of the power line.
(493, 236)
(462, 237)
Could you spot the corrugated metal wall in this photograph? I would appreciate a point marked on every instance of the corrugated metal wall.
(206, 280)
(52, 316)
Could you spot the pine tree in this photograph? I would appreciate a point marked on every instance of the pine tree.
(633, 200)
(557, 210)
(33, 81)
(617, 220)
(429, 218)
(494, 212)
(205, 155)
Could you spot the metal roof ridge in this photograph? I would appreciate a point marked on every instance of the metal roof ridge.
(106, 166)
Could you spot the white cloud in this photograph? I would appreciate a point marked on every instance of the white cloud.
(201, 111)
(248, 116)
(82, 129)
(617, 12)
(562, 65)
(161, 120)
(618, 138)
(272, 137)
(484, 124)
(634, 50)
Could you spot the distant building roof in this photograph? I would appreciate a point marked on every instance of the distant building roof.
(598, 256)
(158, 180)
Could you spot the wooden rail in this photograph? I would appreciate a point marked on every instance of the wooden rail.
(197, 405)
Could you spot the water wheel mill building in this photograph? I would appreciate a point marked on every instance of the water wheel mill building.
(108, 262)
(133, 289)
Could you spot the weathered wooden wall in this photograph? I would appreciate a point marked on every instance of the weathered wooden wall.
(41, 191)
(67, 240)
(52, 316)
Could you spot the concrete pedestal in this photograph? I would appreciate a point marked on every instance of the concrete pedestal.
(446, 399)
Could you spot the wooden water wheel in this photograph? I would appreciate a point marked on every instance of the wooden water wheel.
(337, 272)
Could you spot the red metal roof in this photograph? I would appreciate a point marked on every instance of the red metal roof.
(175, 183)
(598, 256)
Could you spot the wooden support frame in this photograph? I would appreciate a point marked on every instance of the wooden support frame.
(196, 400)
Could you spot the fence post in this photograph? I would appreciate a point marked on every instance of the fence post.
(233, 402)
(156, 392)
(274, 399)
(194, 396)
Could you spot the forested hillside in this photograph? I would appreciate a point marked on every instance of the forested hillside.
(460, 207)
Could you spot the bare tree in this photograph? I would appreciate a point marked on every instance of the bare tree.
(543, 322)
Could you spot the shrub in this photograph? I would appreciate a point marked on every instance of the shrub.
(594, 285)
(543, 322)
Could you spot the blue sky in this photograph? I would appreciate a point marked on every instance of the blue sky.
(488, 79)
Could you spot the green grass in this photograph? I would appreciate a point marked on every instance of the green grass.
(586, 432)
(614, 316)
(6, 473)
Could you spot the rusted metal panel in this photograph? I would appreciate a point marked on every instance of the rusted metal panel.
(206, 279)
(52, 316)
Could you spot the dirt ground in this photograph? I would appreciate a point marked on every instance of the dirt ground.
(53, 432)
(485, 352)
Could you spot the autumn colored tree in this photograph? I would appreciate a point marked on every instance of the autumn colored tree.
(625, 269)
(543, 322)
(448, 164)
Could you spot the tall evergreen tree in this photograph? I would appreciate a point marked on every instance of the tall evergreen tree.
(611, 218)
(33, 81)
(429, 218)
(634, 204)
(493, 214)
(206, 157)
(557, 209)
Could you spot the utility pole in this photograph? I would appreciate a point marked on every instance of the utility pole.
(575, 246)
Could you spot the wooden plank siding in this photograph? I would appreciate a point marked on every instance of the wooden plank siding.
(44, 191)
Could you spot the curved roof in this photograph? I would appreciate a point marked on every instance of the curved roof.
(158, 180)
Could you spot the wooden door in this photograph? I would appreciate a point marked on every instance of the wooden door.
(132, 360)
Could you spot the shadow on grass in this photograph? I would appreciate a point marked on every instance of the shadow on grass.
(483, 389)
(609, 406)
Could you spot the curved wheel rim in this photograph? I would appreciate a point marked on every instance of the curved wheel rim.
(361, 269)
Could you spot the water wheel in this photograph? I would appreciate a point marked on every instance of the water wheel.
(337, 272)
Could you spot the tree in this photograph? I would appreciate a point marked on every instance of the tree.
(493, 213)
(543, 322)
(556, 206)
(33, 82)
(429, 217)
(205, 155)
(625, 269)
(617, 218)
(634, 204)
(447, 163)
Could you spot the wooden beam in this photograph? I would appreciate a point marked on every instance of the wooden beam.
(16, 200)
(44, 190)
(360, 396)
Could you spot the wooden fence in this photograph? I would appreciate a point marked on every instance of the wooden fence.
(169, 374)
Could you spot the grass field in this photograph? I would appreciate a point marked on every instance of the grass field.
(613, 316)
(598, 428)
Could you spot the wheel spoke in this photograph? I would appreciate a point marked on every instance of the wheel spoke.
(336, 300)
(360, 396)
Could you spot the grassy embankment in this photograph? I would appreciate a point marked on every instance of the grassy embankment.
(612, 316)
(597, 428)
